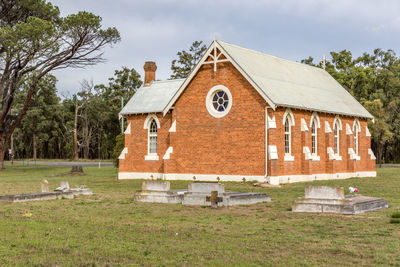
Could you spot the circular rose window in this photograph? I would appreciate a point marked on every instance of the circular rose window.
(219, 101)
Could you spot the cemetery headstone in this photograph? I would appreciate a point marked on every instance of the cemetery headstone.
(45, 186)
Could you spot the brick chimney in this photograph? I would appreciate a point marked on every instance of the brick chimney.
(149, 72)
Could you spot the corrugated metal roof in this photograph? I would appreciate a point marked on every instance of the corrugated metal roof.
(293, 84)
(152, 98)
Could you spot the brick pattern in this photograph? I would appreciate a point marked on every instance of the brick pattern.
(235, 144)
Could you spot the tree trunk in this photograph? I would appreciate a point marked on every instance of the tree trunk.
(3, 150)
(76, 157)
(34, 146)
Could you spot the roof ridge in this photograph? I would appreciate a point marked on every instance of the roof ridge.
(266, 54)
(172, 80)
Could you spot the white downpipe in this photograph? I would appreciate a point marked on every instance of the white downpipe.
(266, 141)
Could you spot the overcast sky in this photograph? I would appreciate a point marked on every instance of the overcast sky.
(157, 29)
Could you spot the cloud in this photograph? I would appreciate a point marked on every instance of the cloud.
(294, 29)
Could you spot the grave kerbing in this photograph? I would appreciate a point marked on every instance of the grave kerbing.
(324, 199)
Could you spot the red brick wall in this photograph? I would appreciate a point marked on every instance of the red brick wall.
(303, 138)
(136, 142)
(232, 145)
(235, 144)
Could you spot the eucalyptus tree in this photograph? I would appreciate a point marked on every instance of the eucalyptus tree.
(187, 60)
(35, 40)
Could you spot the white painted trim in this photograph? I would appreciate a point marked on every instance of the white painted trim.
(151, 157)
(352, 154)
(348, 129)
(213, 177)
(288, 157)
(128, 129)
(239, 178)
(139, 175)
(168, 152)
(367, 132)
(289, 112)
(307, 153)
(315, 116)
(284, 179)
(304, 127)
(209, 104)
(123, 153)
(273, 152)
(148, 119)
(331, 153)
(271, 123)
(266, 139)
(337, 118)
(327, 127)
(356, 121)
(172, 129)
(371, 153)
(212, 46)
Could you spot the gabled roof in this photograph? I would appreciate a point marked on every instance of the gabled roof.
(285, 83)
(292, 84)
(152, 98)
(279, 81)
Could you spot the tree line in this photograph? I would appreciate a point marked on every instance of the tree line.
(35, 40)
(374, 80)
(84, 125)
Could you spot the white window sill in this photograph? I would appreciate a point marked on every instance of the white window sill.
(151, 157)
(288, 158)
(358, 157)
(315, 158)
(337, 157)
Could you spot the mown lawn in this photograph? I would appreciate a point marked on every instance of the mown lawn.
(109, 229)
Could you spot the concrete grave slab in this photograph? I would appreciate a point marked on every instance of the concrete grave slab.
(206, 187)
(198, 193)
(61, 192)
(323, 199)
(158, 192)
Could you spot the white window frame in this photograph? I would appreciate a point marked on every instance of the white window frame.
(209, 101)
(336, 141)
(356, 141)
(289, 118)
(152, 134)
(314, 137)
(288, 133)
(149, 120)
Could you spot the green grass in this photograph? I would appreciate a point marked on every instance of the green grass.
(109, 229)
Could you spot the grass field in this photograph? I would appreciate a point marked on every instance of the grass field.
(109, 229)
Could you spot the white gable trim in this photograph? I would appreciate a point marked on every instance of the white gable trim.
(211, 48)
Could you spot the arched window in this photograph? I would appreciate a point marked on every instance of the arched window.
(355, 132)
(336, 132)
(153, 137)
(288, 135)
(314, 137)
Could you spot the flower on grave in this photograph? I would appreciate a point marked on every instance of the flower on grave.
(27, 214)
(353, 190)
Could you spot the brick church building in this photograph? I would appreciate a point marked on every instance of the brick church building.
(245, 114)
